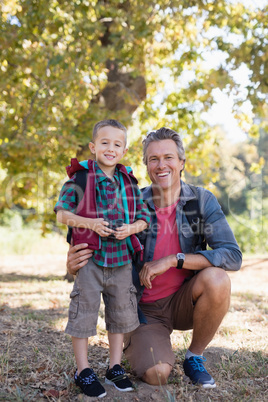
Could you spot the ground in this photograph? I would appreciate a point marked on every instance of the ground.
(36, 360)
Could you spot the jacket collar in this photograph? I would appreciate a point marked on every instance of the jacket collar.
(89, 164)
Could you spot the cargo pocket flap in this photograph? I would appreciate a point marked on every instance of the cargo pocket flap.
(73, 309)
(74, 293)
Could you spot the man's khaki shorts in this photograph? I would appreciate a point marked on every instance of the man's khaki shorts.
(119, 296)
(150, 343)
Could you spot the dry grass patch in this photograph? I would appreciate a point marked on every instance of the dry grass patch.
(37, 363)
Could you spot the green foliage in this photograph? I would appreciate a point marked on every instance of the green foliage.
(66, 65)
(11, 219)
(236, 178)
(22, 236)
(251, 234)
(27, 240)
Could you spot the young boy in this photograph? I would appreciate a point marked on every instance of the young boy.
(111, 198)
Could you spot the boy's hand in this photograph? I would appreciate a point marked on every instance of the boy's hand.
(123, 231)
(100, 226)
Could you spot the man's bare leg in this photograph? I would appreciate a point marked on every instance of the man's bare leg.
(211, 295)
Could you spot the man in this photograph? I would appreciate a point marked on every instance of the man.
(183, 286)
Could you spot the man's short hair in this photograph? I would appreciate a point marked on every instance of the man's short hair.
(105, 123)
(163, 133)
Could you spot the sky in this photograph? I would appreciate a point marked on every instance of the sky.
(221, 114)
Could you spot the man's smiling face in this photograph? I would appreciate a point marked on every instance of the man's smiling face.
(163, 164)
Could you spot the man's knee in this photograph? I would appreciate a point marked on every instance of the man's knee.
(158, 374)
(214, 282)
(219, 279)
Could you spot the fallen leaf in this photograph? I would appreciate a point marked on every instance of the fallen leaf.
(52, 393)
(40, 369)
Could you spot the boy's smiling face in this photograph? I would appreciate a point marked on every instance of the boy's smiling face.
(109, 148)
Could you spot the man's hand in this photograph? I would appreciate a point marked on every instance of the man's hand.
(152, 269)
(77, 257)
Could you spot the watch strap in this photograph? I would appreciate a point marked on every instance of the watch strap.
(180, 258)
(180, 263)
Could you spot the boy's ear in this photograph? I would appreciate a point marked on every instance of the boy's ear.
(125, 151)
(91, 146)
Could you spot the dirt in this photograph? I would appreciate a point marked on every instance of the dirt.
(37, 360)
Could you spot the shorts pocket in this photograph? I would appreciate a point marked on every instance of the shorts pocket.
(133, 297)
(73, 309)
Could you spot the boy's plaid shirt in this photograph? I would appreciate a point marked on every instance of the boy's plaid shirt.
(110, 206)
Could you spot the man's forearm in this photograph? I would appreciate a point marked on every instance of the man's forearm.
(194, 262)
(138, 226)
(151, 269)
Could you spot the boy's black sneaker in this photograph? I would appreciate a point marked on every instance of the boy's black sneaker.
(117, 377)
(195, 370)
(89, 383)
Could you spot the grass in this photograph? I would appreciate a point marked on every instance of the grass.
(29, 241)
(36, 358)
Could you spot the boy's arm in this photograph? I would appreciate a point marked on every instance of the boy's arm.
(138, 226)
(69, 218)
(99, 225)
(142, 218)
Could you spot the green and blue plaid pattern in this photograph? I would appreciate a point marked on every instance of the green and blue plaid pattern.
(110, 206)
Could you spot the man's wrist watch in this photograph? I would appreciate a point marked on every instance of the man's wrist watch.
(180, 258)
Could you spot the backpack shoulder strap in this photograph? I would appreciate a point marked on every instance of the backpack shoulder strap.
(125, 207)
(81, 181)
(191, 208)
(195, 218)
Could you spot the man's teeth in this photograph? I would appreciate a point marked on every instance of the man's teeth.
(163, 174)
